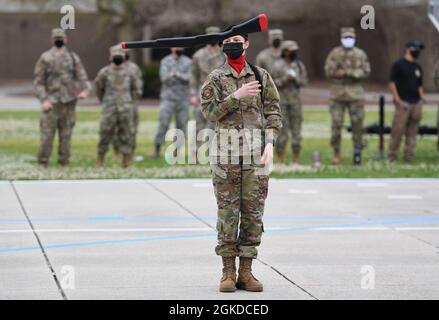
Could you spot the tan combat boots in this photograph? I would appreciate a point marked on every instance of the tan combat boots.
(228, 280)
(246, 280)
(337, 158)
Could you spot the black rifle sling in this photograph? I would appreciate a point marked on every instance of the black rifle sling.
(259, 79)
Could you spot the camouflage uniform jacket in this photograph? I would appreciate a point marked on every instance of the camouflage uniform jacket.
(55, 78)
(175, 87)
(266, 59)
(356, 65)
(135, 70)
(220, 106)
(436, 75)
(117, 85)
(289, 90)
(203, 63)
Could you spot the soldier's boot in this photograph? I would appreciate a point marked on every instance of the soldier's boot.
(100, 161)
(337, 158)
(42, 165)
(296, 158)
(126, 160)
(280, 157)
(157, 151)
(228, 279)
(246, 280)
(116, 153)
(357, 156)
(64, 164)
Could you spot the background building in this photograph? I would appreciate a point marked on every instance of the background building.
(315, 24)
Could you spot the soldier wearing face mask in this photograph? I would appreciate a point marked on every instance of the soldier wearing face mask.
(267, 57)
(408, 95)
(289, 75)
(137, 72)
(60, 80)
(347, 66)
(117, 88)
(436, 83)
(175, 74)
(232, 98)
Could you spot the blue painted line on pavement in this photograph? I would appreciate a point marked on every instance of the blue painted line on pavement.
(211, 234)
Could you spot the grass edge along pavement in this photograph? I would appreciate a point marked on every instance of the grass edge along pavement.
(19, 142)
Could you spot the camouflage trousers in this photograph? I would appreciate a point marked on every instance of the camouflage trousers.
(240, 195)
(61, 117)
(120, 117)
(116, 143)
(292, 121)
(356, 113)
(168, 108)
(405, 122)
(437, 126)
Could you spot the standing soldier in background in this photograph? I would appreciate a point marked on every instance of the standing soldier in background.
(60, 80)
(204, 61)
(134, 69)
(436, 82)
(175, 73)
(266, 58)
(117, 89)
(289, 75)
(347, 66)
(408, 95)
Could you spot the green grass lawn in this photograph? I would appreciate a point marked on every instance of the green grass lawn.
(19, 139)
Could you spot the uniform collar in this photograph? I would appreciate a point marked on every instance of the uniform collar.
(55, 51)
(229, 70)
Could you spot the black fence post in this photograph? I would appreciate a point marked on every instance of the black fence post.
(381, 126)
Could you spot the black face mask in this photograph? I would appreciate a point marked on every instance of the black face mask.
(276, 43)
(118, 60)
(233, 49)
(179, 53)
(415, 54)
(59, 43)
(293, 56)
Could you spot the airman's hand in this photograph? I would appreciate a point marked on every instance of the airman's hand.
(267, 156)
(250, 89)
(47, 106)
(194, 100)
(340, 73)
(83, 94)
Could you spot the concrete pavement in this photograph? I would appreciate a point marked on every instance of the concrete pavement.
(154, 239)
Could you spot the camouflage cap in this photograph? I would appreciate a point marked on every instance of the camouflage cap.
(415, 44)
(347, 32)
(58, 33)
(289, 45)
(117, 50)
(276, 34)
(212, 29)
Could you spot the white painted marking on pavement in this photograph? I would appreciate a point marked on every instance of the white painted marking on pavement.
(417, 228)
(372, 184)
(202, 185)
(322, 228)
(404, 197)
(107, 230)
(297, 191)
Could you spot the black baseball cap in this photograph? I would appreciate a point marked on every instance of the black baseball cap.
(245, 35)
(415, 44)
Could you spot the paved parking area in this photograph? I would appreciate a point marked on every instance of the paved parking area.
(154, 239)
